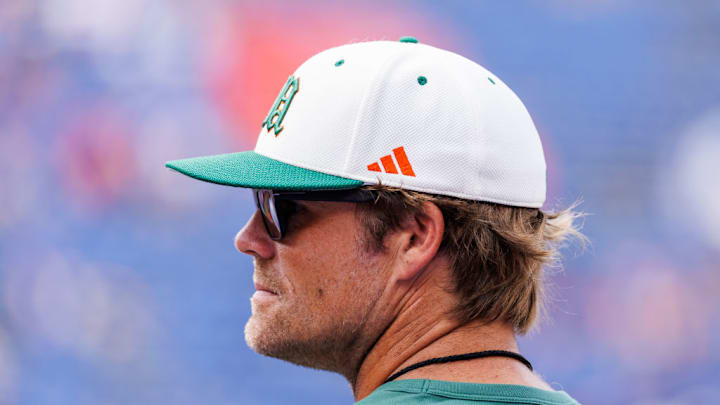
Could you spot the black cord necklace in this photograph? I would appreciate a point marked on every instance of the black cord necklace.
(459, 357)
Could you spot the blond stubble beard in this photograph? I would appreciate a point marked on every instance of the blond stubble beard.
(336, 341)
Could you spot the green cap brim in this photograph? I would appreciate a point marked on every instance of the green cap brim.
(251, 170)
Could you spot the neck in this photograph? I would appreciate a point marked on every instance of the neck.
(423, 330)
(400, 347)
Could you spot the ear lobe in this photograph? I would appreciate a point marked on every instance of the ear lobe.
(421, 237)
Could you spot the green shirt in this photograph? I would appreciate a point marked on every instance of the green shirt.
(422, 392)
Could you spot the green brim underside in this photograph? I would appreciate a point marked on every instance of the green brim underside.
(251, 170)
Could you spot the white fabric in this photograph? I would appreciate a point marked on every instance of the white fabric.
(463, 135)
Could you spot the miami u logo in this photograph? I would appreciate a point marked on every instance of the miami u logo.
(282, 103)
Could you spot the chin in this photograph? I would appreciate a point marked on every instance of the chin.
(265, 337)
(279, 342)
(254, 334)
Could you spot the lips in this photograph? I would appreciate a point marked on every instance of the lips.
(261, 287)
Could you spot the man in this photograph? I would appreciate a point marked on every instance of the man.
(398, 239)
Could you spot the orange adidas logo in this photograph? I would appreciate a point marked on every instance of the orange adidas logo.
(389, 165)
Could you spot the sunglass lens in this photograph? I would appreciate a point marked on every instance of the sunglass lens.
(266, 204)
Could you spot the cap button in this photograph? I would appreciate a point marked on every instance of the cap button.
(412, 40)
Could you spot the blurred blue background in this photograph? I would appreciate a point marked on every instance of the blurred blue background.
(119, 282)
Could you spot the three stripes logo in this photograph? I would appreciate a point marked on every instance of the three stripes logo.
(388, 164)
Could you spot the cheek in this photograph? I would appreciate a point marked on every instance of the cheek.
(325, 278)
(324, 265)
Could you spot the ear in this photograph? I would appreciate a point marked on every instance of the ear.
(418, 240)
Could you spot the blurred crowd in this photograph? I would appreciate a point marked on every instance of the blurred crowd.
(118, 279)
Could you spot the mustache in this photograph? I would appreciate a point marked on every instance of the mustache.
(261, 275)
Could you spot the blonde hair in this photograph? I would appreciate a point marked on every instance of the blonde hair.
(497, 252)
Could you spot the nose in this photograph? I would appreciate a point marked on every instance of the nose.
(254, 240)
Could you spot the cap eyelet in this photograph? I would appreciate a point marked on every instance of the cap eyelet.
(422, 80)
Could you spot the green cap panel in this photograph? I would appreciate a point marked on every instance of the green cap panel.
(252, 170)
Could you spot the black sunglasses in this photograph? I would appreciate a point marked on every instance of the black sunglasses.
(276, 207)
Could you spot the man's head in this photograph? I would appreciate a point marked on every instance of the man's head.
(458, 172)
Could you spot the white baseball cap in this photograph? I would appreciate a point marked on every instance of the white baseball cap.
(403, 114)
